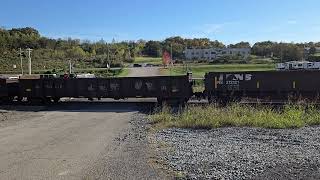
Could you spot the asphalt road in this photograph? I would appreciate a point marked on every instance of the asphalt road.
(75, 141)
(67, 142)
(144, 71)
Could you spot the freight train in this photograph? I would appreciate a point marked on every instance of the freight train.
(221, 87)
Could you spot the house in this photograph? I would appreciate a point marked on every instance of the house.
(213, 54)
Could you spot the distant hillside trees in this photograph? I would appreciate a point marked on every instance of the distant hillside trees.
(101, 53)
(153, 49)
(281, 51)
(240, 45)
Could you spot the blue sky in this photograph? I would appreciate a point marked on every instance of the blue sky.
(228, 21)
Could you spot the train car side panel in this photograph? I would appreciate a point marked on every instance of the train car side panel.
(3, 89)
(273, 84)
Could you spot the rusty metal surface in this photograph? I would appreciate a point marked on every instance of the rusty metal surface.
(118, 88)
(3, 88)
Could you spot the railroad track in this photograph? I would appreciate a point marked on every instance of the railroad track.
(133, 102)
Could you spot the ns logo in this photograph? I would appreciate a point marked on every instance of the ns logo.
(235, 77)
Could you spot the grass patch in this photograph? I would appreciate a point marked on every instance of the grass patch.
(238, 115)
(123, 73)
(200, 70)
(148, 60)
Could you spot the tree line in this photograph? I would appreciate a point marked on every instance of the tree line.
(101, 53)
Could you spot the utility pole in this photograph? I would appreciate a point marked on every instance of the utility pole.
(171, 51)
(20, 54)
(171, 64)
(129, 53)
(107, 51)
(29, 58)
(281, 53)
(70, 67)
(108, 62)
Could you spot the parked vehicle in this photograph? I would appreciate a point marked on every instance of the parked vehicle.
(298, 65)
(137, 65)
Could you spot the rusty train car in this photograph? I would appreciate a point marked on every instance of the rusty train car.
(221, 87)
(3, 90)
(165, 88)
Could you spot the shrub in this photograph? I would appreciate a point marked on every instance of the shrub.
(211, 116)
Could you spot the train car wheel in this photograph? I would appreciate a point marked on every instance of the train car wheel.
(56, 99)
(159, 101)
(211, 100)
(46, 100)
(19, 99)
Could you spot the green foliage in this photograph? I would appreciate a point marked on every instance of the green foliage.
(55, 53)
(314, 58)
(153, 49)
(149, 60)
(178, 44)
(312, 50)
(210, 116)
(283, 51)
(76, 53)
(240, 45)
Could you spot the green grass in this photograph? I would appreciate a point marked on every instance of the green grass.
(200, 70)
(148, 60)
(6, 64)
(237, 115)
(124, 72)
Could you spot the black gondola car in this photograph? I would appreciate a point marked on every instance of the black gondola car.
(3, 90)
(164, 88)
(226, 86)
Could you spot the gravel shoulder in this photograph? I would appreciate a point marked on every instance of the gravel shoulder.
(241, 153)
(131, 158)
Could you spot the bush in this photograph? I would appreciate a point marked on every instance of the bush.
(313, 58)
(210, 116)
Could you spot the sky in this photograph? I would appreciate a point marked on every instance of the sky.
(229, 21)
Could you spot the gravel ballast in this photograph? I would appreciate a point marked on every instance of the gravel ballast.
(241, 153)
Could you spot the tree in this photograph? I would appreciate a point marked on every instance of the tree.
(240, 45)
(312, 50)
(264, 48)
(76, 53)
(153, 49)
(288, 52)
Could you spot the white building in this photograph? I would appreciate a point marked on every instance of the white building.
(214, 53)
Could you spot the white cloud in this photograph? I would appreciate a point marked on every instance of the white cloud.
(212, 28)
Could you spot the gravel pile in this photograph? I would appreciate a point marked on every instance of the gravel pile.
(241, 153)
